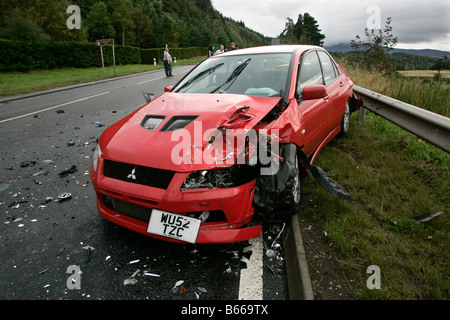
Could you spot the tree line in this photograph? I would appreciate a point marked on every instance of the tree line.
(139, 23)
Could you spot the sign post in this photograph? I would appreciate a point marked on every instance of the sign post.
(107, 42)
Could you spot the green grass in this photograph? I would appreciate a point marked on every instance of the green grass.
(392, 177)
(12, 83)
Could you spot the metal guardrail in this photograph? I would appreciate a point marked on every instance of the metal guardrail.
(425, 124)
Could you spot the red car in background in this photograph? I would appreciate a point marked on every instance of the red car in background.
(234, 136)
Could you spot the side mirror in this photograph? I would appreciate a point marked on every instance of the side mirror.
(168, 88)
(148, 96)
(314, 91)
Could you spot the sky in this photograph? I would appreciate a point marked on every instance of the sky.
(418, 24)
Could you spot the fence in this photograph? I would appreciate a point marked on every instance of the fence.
(425, 124)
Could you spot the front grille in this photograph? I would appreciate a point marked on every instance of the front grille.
(157, 178)
(128, 209)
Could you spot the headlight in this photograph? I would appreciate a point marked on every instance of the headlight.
(97, 153)
(221, 178)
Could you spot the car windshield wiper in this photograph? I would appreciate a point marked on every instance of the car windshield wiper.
(200, 75)
(236, 72)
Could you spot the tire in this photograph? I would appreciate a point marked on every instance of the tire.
(345, 122)
(279, 194)
(288, 200)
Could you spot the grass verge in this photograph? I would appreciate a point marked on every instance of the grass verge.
(13, 83)
(393, 177)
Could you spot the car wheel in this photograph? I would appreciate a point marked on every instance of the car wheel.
(280, 193)
(345, 123)
(289, 199)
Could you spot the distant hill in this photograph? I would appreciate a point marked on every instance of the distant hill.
(140, 23)
(344, 47)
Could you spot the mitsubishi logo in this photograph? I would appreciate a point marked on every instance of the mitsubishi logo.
(132, 175)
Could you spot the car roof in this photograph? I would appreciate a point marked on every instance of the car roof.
(272, 49)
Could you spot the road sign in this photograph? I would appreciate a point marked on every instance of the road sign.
(107, 42)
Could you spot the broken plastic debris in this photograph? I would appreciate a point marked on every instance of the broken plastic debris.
(134, 261)
(27, 164)
(98, 124)
(151, 274)
(427, 217)
(65, 173)
(132, 280)
(64, 196)
(177, 284)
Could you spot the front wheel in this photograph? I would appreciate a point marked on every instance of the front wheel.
(345, 123)
(289, 199)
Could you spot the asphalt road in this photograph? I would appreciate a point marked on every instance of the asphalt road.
(52, 249)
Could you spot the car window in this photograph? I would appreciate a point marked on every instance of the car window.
(310, 72)
(255, 75)
(327, 68)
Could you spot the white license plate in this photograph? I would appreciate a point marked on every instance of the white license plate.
(173, 226)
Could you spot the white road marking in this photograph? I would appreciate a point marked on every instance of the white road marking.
(139, 83)
(54, 107)
(251, 281)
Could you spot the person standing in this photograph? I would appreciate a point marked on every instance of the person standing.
(221, 50)
(210, 50)
(167, 63)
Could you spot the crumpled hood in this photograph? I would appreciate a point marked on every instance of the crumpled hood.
(127, 141)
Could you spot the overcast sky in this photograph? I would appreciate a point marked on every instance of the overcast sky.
(418, 24)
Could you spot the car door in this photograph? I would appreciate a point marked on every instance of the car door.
(334, 86)
(314, 112)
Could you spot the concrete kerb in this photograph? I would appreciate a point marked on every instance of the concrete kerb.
(44, 92)
(299, 280)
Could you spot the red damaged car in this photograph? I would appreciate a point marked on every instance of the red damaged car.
(232, 138)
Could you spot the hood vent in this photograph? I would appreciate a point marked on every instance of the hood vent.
(152, 122)
(178, 122)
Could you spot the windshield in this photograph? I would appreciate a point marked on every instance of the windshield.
(255, 75)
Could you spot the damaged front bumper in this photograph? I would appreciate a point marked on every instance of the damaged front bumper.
(230, 210)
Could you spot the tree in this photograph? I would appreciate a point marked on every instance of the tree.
(99, 22)
(123, 19)
(304, 31)
(20, 28)
(143, 28)
(375, 50)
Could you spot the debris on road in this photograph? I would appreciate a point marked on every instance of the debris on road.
(177, 284)
(25, 164)
(71, 170)
(132, 280)
(64, 196)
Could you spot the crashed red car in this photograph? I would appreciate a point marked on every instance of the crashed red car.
(234, 136)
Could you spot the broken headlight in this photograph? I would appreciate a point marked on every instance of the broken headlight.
(97, 153)
(220, 178)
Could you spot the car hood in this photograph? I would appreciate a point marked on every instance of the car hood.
(184, 150)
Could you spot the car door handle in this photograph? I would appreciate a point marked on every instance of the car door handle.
(341, 84)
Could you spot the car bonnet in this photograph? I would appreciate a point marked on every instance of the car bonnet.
(160, 147)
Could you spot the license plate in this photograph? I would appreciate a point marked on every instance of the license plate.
(173, 225)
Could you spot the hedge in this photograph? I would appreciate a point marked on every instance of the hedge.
(24, 56)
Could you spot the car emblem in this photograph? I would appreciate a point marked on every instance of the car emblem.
(132, 175)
